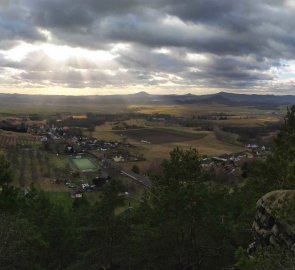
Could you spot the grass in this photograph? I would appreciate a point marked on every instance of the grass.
(130, 201)
(60, 198)
(46, 185)
(59, 161)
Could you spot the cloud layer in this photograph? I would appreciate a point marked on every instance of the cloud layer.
(172, 46)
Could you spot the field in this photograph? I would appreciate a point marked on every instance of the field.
(35, 167)
(152, 135)
(161, 135)
(246, 121)
(8, 139)
(84, 164)
(46, 109)
(207, 145)
(200, 109)
(163, 139)
(62, 198)
(105, 132)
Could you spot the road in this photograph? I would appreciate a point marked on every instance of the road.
(109, 164)
(138, 178)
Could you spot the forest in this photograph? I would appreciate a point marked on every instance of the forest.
(184, 222)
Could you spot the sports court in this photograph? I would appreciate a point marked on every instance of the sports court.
(84, 164)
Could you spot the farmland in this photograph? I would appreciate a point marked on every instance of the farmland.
(162, 135)
(10, 139)
(145, 131)
(201, 109)
(155, 139)
(34, 167)
(206, 145)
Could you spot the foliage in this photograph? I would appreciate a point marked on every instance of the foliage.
(281, 163)
(135, 169)
(18, 240)
(270, 258)
(5, 171)
(224, 136)
(181, 223)
(277, 172)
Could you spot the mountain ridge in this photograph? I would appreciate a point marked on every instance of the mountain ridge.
(146, 98)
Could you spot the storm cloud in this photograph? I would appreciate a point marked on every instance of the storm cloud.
(171, 45)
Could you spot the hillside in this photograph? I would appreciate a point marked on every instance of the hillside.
(145, 98)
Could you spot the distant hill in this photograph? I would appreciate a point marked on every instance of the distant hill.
(238, 99)
(287, 99)
(145, 98)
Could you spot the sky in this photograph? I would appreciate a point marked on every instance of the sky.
(82, 47)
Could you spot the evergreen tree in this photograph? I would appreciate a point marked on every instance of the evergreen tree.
(281, 164)
(5, 171)
(104, 235)
(182, 226)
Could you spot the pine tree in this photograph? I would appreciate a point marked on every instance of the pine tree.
(281, 164)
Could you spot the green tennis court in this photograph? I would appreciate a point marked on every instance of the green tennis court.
(84, 164)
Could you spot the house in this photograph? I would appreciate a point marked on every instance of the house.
(147, 142)
(252, 146)
(76, 194)
(101, 180)
(27, 147)
(118, 159)
(44, 139)
(218, 159)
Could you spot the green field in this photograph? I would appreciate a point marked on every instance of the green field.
(61, 198)
(84, 164)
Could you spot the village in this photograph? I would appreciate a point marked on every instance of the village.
(111, 155)
(89, 163)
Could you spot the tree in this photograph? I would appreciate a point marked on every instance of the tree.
(104, 235)
(181, 225)
(135, 169)
(182, 169)
(54, 223)
(281, 164)
(19, 244)
(270, 258)
(5, 171)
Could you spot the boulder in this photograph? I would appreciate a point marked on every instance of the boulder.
(274, 222)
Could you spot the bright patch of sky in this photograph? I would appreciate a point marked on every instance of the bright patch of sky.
(155, 46)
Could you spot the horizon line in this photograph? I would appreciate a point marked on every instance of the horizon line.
(146, 93)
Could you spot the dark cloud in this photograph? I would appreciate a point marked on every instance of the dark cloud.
(242, 42)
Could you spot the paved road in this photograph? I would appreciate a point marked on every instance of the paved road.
(138, 178)
(109, 164)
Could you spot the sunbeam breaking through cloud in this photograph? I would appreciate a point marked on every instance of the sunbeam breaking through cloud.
(83, 47)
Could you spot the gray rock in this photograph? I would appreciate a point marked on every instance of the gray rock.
(275, 219)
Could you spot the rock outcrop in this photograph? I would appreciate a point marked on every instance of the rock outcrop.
(274, 222)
